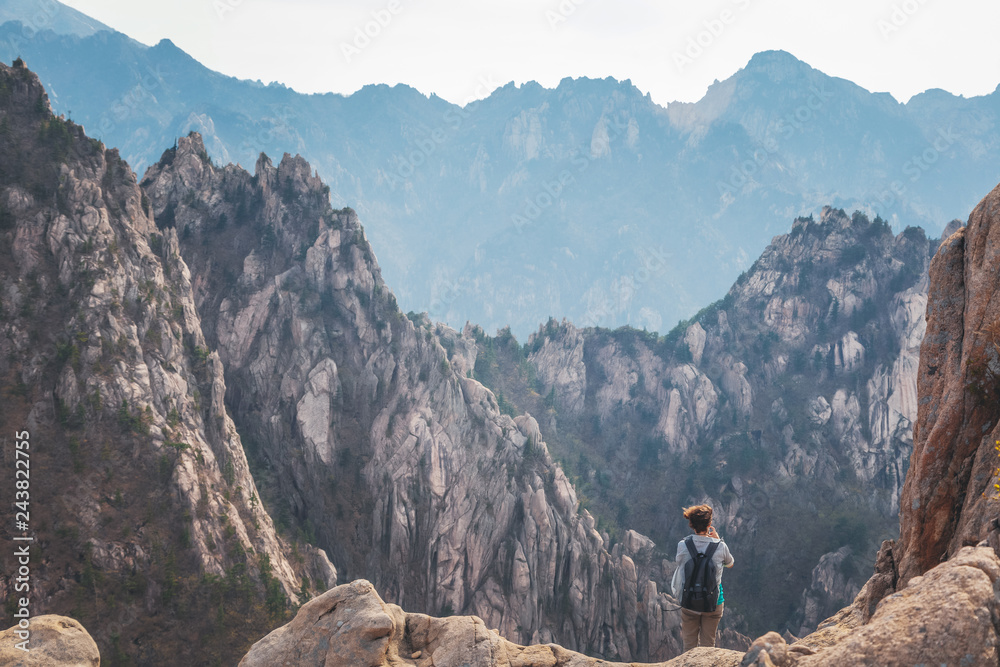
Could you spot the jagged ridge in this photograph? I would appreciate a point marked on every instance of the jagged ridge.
(788, 406)
(143, 501)
(378, 443)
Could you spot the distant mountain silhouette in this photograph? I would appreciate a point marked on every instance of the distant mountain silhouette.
(38, 15)
(587, 201)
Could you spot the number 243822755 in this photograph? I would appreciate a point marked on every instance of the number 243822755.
(22, 477)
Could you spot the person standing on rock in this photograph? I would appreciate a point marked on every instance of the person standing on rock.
(698, 628)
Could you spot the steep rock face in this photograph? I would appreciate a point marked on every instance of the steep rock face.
(830, 582)
(950, 500)
(560, 365)
(377, 441)
(142, 483)
(788, 406)
(951, 492)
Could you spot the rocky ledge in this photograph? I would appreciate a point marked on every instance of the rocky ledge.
(947, 616)
(352, 625)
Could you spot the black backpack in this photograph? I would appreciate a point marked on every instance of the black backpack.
(701, 586)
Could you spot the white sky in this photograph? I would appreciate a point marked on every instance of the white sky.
(462, 49)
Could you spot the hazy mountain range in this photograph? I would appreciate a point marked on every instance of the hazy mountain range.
(588, 201)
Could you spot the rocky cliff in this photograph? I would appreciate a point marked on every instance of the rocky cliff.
(147, 524)
(951, 496)
(933, 597)
(788, 406)
(375, 440)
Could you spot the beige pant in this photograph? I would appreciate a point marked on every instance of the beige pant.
(698, 629)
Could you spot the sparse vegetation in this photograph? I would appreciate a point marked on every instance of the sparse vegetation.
(995, 491)
(983, 367)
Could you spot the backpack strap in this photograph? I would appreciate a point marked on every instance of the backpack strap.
(689, 543)
(709, 552)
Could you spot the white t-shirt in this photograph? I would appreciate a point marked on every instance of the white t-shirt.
(722, 558)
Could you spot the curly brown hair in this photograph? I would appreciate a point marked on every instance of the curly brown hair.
(699, 517)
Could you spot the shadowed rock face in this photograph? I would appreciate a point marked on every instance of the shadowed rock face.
(949, 499)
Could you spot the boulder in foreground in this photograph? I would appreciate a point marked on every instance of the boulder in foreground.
(56, 641)
(351, 626)
(948, 616)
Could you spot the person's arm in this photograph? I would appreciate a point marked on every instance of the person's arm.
(677, 581)
(727, 557)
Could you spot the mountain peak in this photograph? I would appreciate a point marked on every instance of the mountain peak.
(773, 56)
(378, 91)
(192, 143)
(27, 95)
(609, 85)
(777, 65)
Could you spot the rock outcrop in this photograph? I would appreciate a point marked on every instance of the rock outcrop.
(350, 626)
(377, 440)
(561, 369)
(950, 499)
(933, 597)
(947, 616)
(54, 641)
(951, 493)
